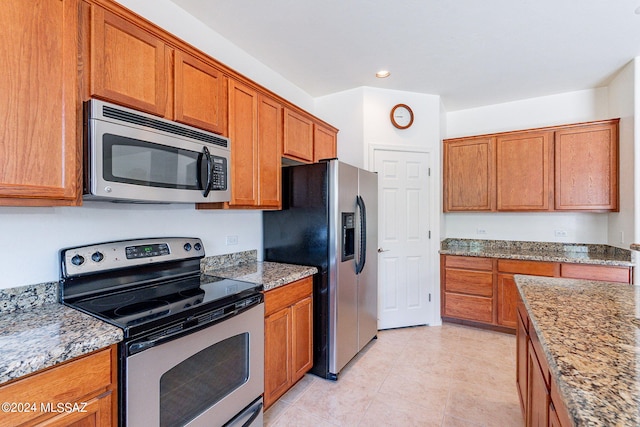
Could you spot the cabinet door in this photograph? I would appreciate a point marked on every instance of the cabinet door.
(96, 413)
(39, 138)
(522, 361)
(269, 152)
(243, 125)
(200, 94)
(538, 396)
(523, 168)
(277, 362)
(586, 167)
(129, 66)
(298, 136)
(469, 175)
(302, 340)
(324, 143)
(507, 301)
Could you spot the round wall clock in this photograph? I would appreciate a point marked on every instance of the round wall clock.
(401, 116)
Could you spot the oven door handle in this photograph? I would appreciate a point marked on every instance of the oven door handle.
(190, 326)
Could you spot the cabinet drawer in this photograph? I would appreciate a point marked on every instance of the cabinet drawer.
(469, 282)
(596, 272)
(286, 295)
(471, 263)
(71, 382)
(535, 268)
(468, 307)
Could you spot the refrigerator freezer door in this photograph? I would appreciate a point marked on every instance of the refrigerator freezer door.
(343, 285)
(368, 278)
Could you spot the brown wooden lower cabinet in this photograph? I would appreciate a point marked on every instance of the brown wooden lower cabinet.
(288, 337)
(539, 399)
(86, 387)
(483, 291)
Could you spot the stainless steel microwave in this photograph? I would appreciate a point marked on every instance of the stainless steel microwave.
(132, 156)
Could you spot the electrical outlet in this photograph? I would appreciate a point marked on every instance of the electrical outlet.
(232, 240)
(561, 233)
(481, 231)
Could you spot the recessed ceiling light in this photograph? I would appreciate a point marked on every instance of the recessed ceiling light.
(382, 74)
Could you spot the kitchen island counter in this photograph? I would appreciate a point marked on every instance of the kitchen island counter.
(38, 337)
(588, 332)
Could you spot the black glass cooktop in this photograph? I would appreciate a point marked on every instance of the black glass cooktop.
(162, 303)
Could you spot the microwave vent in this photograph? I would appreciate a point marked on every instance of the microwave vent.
(163, 126)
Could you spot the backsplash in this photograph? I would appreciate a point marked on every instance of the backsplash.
(228, 260)
(25, 297)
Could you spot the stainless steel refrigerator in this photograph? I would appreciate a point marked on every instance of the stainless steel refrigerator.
(329, 220)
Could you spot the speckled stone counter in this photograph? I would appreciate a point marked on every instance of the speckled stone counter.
(589, 332)
(36, 332)
(539, 251)
(244, 266)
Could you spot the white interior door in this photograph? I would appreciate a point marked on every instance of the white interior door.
(403, 238)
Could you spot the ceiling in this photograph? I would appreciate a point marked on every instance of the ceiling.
(469, 52)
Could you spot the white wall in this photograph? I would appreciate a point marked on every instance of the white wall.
(571, 107)
(345, 110)
(622, 99)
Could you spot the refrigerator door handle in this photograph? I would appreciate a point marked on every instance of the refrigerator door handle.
(362, 244)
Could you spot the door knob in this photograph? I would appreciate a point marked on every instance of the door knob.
(380, 250)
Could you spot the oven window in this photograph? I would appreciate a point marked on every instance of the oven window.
(138, 162)
(202, 380)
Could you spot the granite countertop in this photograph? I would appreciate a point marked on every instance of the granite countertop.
(42, 336)
(539, 251)
(589, 333)
(269, 274)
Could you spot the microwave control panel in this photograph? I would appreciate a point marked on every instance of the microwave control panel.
(219, 173)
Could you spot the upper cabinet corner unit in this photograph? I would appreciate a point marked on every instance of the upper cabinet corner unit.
(133, 66)
(306, 139)
(561, 168)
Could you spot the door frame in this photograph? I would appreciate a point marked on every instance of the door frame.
(435, 216)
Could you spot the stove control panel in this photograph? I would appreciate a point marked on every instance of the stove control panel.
(101, 257)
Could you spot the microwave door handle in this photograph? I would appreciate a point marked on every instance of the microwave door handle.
(205, 166)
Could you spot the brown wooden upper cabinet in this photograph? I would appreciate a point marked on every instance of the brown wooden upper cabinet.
(133, 67)
(255, 129)
(41, 120)
(523, 171)
(469, 174)
(129, 66)
(561, 168)
(324, 143)
(586, 167)
(298, 136)
(200, 94)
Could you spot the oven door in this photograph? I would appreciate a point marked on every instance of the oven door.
(202, 379)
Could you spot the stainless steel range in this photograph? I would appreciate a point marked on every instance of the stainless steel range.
(193, 348)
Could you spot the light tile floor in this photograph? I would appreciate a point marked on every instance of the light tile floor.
(450, 375)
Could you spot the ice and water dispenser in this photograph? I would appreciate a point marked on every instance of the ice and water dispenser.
(348, 235)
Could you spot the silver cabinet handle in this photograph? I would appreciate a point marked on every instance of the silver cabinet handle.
(380, 250)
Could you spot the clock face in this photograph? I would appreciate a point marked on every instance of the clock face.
(401, 116)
